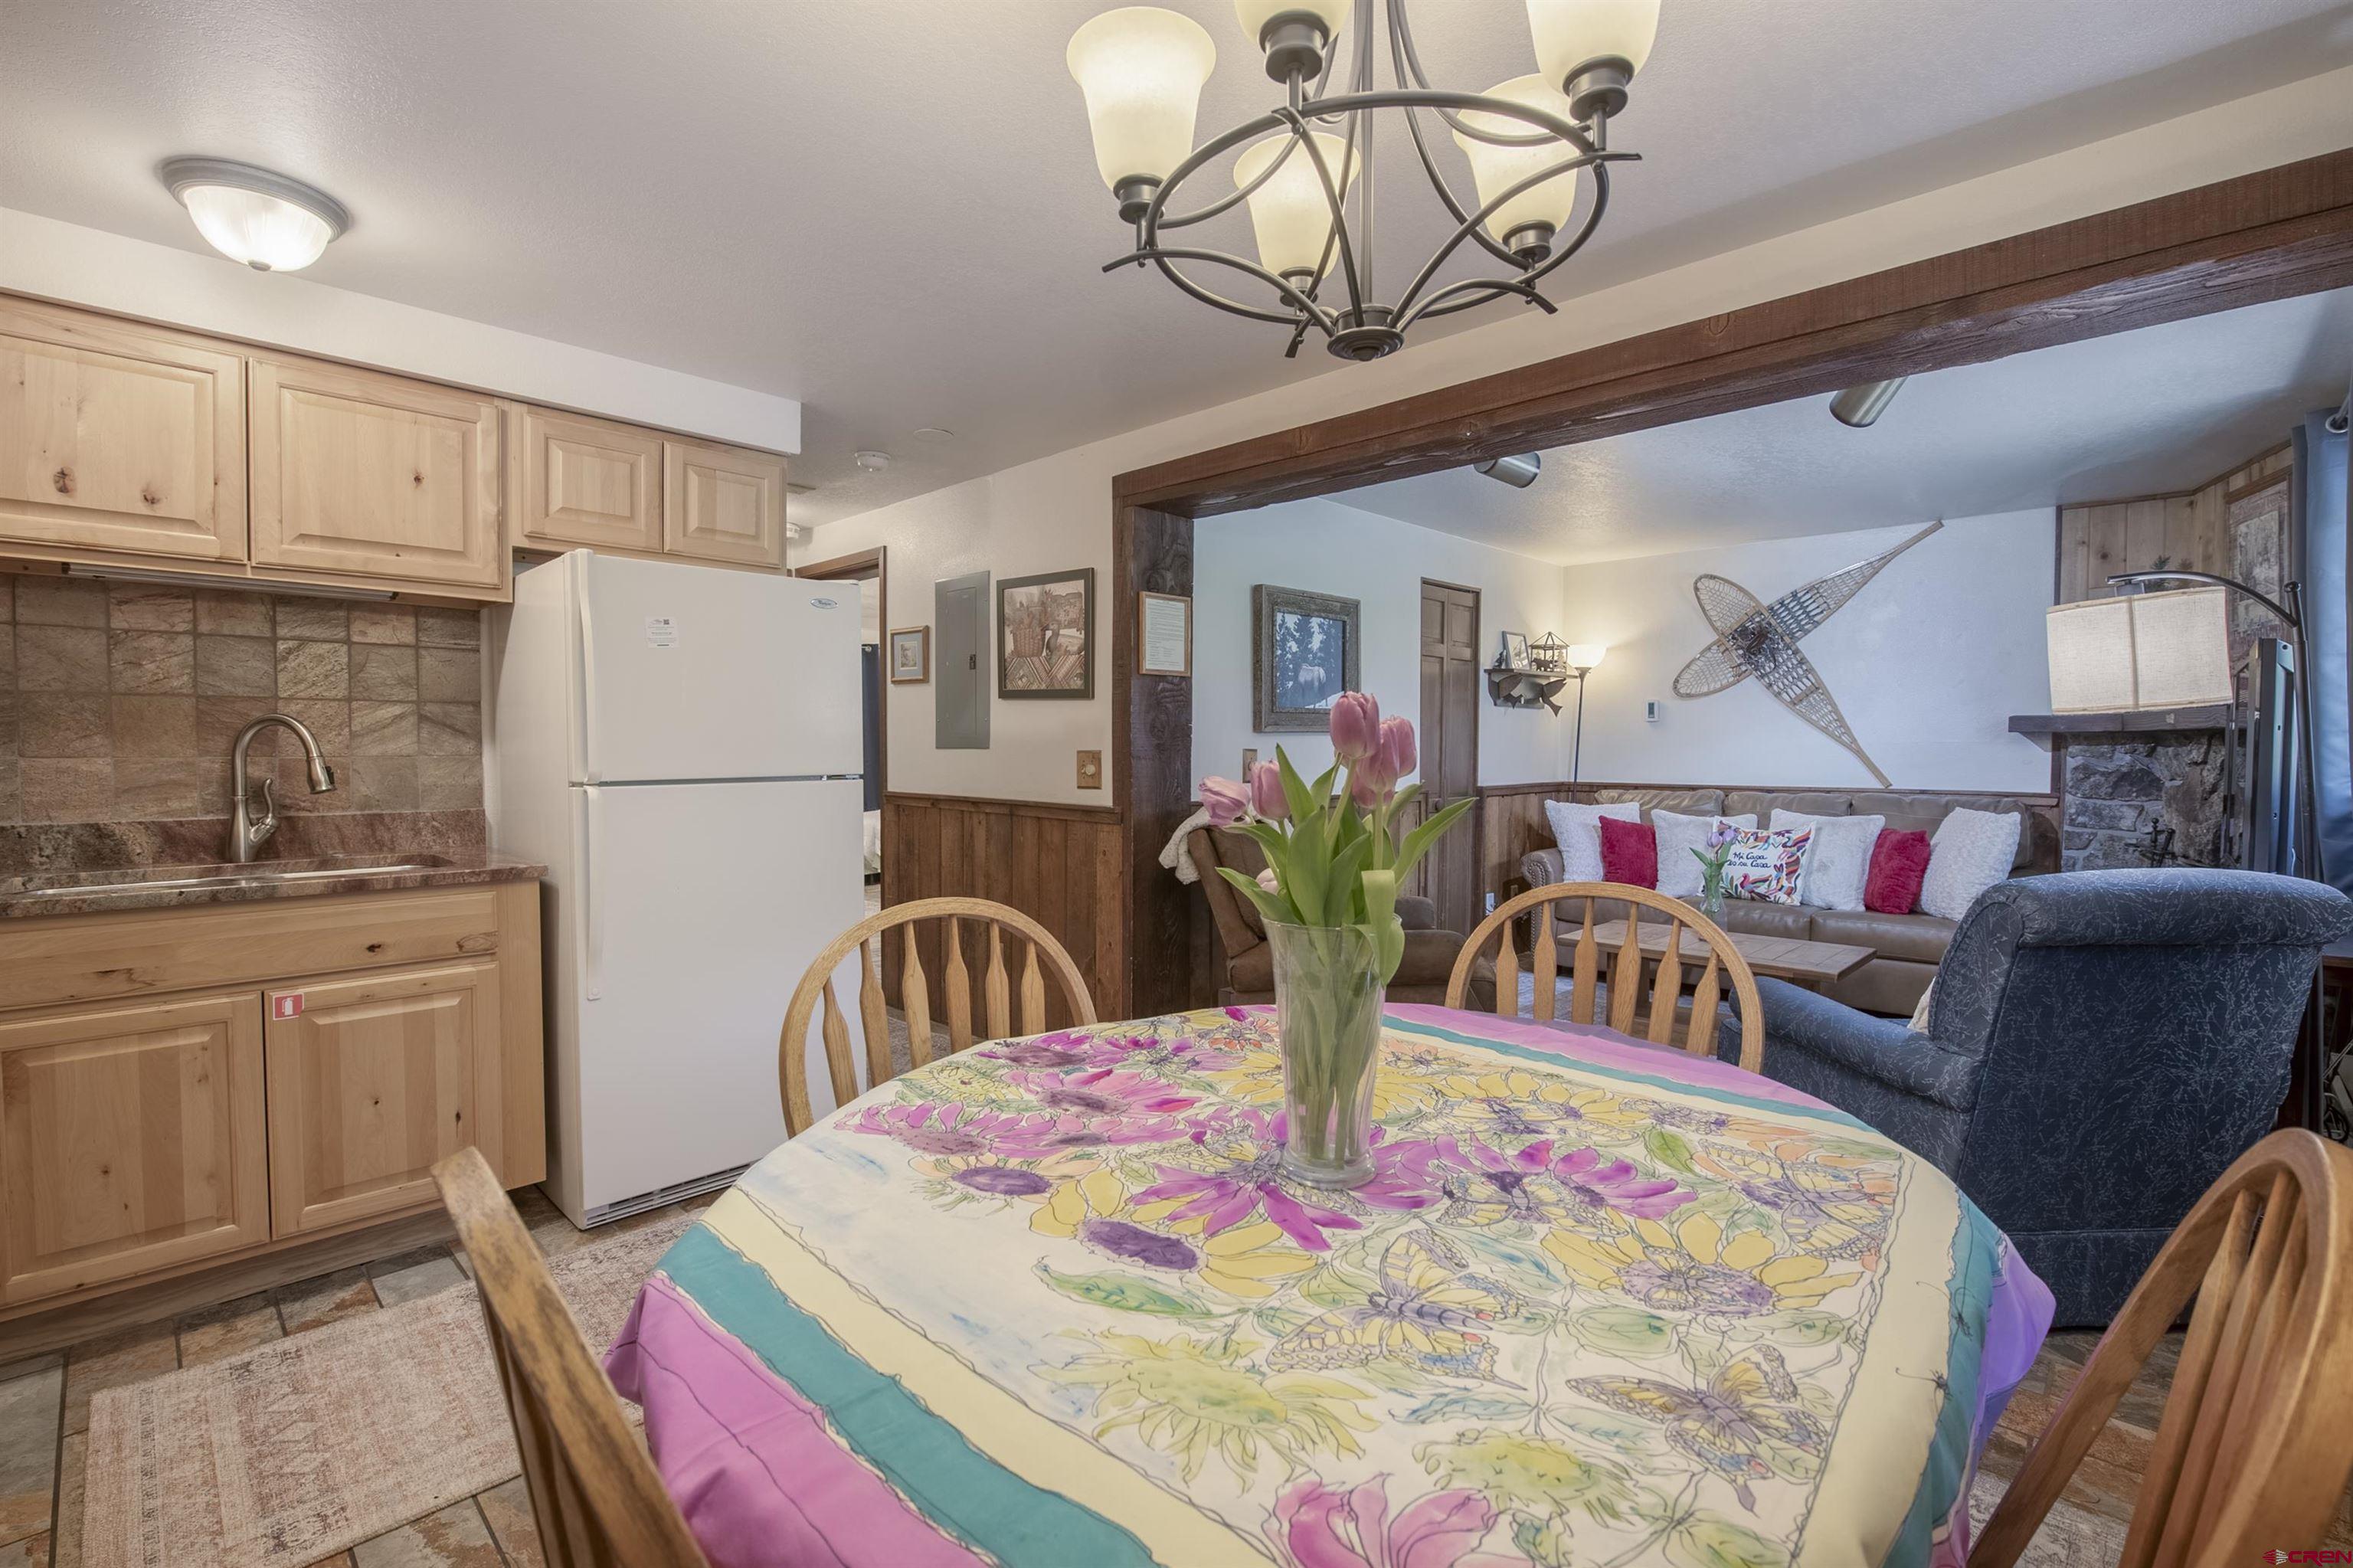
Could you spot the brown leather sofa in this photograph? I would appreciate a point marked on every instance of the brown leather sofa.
(1908, 946)
(1247, 973)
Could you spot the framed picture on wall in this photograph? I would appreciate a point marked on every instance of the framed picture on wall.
(1514, 654)
(1045, 635)
(1303, 654)
(911, 655)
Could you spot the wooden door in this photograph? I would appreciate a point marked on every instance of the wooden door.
(723, 503)
(374, 475)
(131, 1139)
(370, 1082)
(585, 481)
(1450, 744)
(114, 437)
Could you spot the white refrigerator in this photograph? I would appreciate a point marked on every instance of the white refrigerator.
(681, 747)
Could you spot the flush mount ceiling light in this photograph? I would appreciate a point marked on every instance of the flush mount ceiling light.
(266, 220)
(1533, 143)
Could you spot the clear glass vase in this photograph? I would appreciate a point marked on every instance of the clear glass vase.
(1327, 1000)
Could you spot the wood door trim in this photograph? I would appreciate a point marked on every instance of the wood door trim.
(2265, 236)
(1478, 615)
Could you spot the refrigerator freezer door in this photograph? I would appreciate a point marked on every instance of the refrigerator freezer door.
(688, 673)
(704, 905)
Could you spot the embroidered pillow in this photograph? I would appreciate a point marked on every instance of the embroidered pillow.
(1574, 830)
(1898, 861)
(1629, 853)
(1679, 835)
(1840, 862)
(1969, 853)
(1766, 865)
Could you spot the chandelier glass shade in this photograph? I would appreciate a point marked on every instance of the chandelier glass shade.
(1536, 146)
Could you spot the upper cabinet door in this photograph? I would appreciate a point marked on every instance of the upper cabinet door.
(723, 503)
(114, 437)
(131, 1139)
(587, 481)
(374, 475)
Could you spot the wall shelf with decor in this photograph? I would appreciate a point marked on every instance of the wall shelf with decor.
(2127, 721)
(1525, 688)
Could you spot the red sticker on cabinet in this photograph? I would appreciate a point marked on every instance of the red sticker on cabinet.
(286, 1004)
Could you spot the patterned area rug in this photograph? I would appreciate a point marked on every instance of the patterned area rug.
(307, 1445)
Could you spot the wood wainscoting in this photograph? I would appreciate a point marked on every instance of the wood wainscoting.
(1058, 864)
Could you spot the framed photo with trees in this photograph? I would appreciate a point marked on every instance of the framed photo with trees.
(1303, 654)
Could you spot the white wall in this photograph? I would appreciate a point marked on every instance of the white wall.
(66, 263)
(1326, 548)
(1056, 511)
(1928, 663)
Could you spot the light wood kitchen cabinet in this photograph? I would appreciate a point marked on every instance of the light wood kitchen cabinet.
(119, 438)
(371, 1081)
(577, 481)
(723, 503)
(130, 1141)
(183, 1089)
(374, 475)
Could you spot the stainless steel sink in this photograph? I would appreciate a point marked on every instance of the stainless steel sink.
(183, 879)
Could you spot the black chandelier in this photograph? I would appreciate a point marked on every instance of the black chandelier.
(1311, 192)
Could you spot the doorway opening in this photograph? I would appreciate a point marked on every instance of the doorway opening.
(867, 570)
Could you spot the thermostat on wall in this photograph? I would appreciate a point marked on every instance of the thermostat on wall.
(1650, 710)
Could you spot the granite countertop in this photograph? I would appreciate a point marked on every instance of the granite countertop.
(43, 894)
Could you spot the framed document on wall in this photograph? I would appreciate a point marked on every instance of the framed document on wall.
(1163, 634)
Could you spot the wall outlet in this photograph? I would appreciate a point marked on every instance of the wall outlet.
(1090, 769)
(1650, 710)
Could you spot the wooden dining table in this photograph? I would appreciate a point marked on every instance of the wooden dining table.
(1053, 1301)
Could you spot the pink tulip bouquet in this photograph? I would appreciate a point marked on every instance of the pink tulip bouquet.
(1336, 858)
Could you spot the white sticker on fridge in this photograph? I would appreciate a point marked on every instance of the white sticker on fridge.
(661, 630)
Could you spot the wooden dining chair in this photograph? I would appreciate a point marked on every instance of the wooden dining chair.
(955, 980)
(595, 1494)
(1723, 963)
(2256, 1438)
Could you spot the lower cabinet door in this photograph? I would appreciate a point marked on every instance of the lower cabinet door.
(371, 1081)
(131, 1139)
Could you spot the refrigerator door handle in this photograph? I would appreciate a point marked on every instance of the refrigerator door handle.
(585, 618)
(587, 825)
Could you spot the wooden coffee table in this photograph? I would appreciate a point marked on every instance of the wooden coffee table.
(1810, 964)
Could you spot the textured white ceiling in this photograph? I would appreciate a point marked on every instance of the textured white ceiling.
(889, 209)
(2142, 413)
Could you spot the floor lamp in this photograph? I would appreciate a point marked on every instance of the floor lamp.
(2311, 1088)
(1581, 658)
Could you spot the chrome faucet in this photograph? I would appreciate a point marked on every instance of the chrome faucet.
(254, 816)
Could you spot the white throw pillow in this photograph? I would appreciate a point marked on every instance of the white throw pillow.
(1969, 853)
(1575, 829)
(1839, 864)
(1678, 836)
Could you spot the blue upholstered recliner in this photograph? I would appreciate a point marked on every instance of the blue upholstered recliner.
(2101, 1044)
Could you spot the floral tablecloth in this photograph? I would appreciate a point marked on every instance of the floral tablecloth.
(1048, 1302)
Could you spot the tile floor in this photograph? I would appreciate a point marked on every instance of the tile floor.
(45, 1406)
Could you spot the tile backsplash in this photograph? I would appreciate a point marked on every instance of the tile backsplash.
(120, 701)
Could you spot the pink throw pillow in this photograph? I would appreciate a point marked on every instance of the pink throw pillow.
(1898, 861)
(1630, 854)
